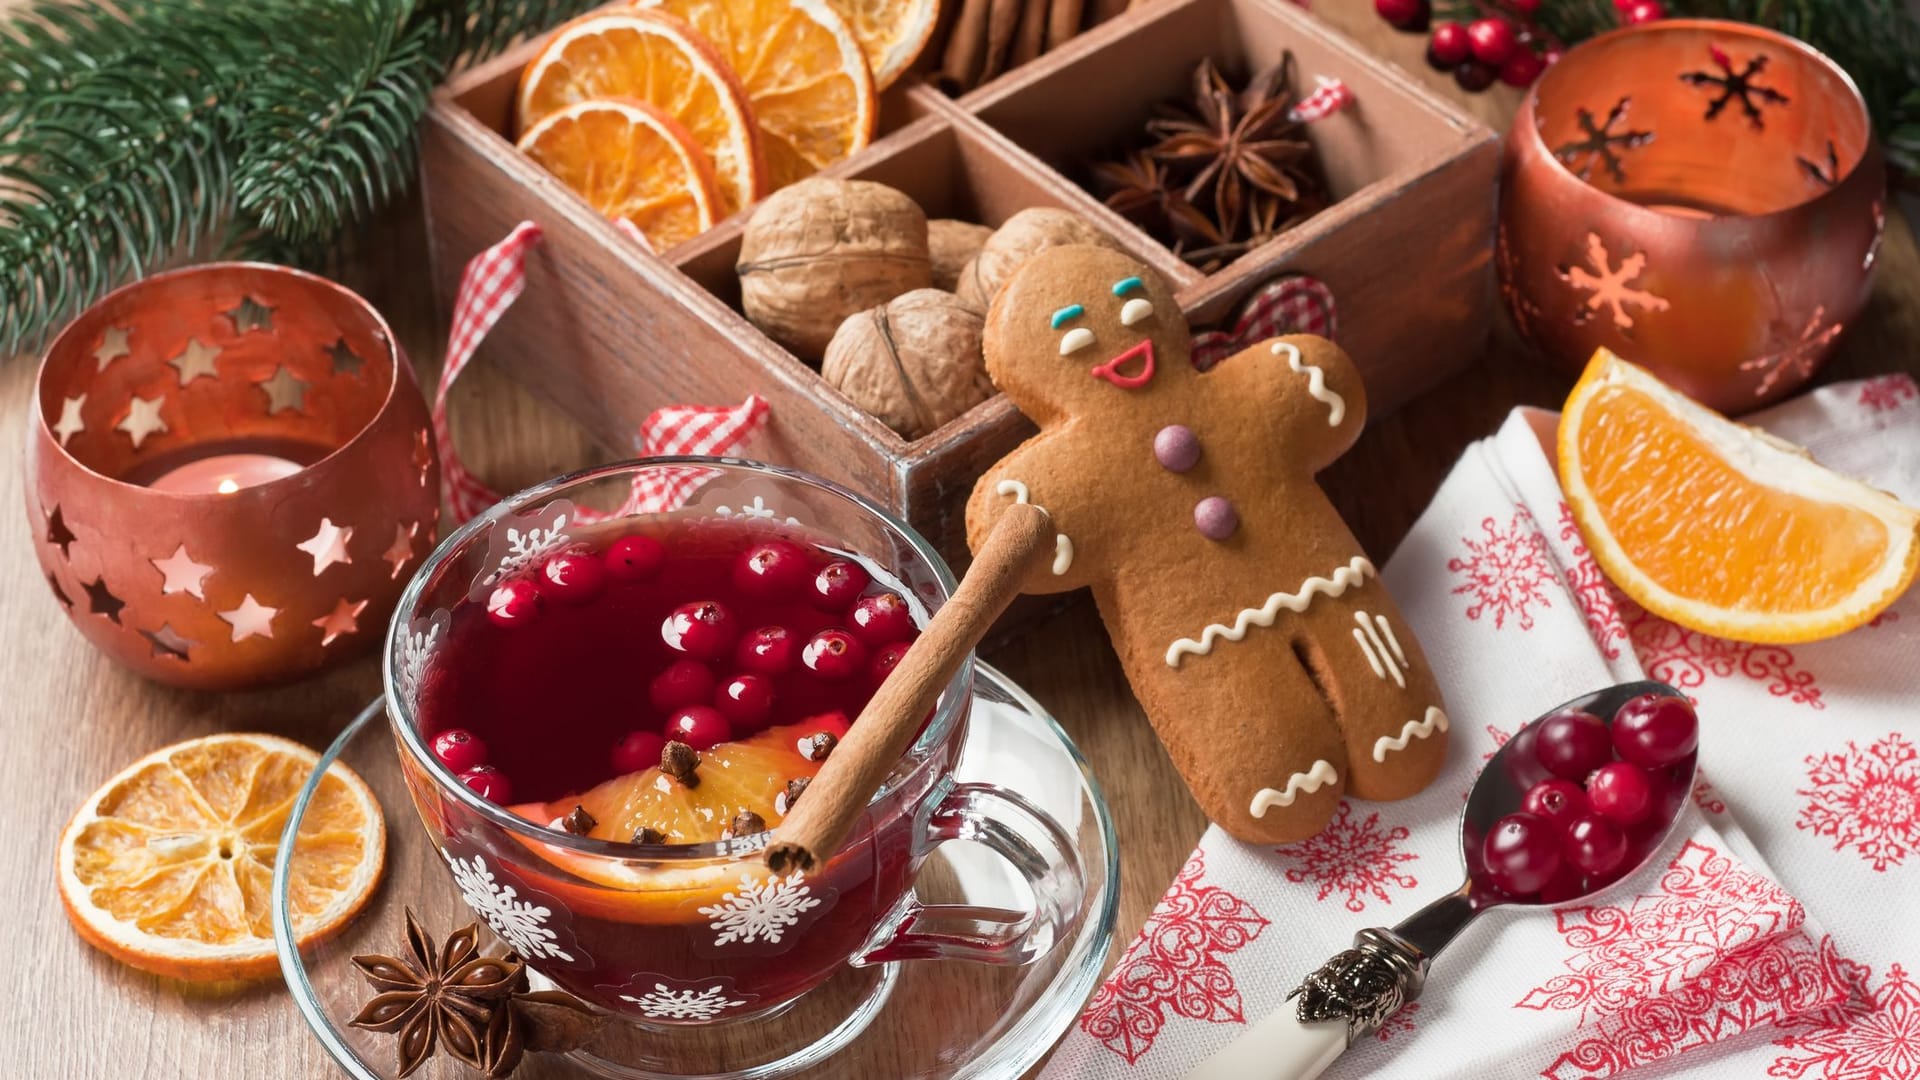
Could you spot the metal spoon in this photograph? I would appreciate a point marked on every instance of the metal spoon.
(1352, 995)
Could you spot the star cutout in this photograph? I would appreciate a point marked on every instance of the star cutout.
(143, 419)
(59, 593)
(168, 642)
(101, 601)
(181, 574)
(58, 534)
(341, 620)
(70, 423)
(328, 545)
(250, 315)
(196, 361)
(113, 346)
(251, 619)
(345, 360)
(401, 550)
(284, 391)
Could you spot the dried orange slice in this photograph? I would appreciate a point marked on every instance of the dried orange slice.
(1720, 527)
(169, 866)
(808, 82)
(892, 33)
(630, 161)
(659, 60)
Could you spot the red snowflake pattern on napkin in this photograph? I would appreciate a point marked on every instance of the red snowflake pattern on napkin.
(1507, 571)
(1685, 658)
(1357, 858)
(1886, 393)
(1868, 1038)
(1591, 590)
(1868, 800)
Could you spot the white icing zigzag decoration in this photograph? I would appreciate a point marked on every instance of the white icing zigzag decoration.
(1315, 778)
(1356, 571)
(1316, 383)
(1435, 720)
(1062, 546)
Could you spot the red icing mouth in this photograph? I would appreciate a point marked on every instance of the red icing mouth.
(1110, 370)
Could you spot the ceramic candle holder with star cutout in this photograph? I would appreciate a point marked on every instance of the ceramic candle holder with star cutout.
(1704, 198)
(230, 474)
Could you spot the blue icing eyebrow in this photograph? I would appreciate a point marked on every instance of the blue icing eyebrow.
(1126, 285)
(1071, 311)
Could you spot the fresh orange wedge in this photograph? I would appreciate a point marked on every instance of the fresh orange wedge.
(804, 73)
(659, 60)
(169, 866)
(630, 161)
(892, 33)
(1720, 527)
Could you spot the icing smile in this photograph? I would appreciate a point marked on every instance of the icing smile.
(1110, 370)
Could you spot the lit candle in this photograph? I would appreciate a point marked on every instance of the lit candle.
(224, 473)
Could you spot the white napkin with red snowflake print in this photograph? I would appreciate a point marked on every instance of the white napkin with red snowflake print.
(1767, 940)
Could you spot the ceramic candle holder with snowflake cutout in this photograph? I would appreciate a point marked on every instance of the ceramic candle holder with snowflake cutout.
(230, 472)
(1704, 198)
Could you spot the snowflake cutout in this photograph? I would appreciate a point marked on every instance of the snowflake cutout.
(761, 910)
(1824, 173)
(1175, 966)
(516, 544)
(520, 923)
(416, 648)
(1798, 357)
(1879, 234)
(1592, 591)
(1598, 142)
(1520, 304)
(665, 1003)
(1507, 572)
(1356, 858)
(1684, 658)
(755, 510)
(1885, 393)
(1610, 288)
(1866, 1038)
(1868, 800)
(1736, 86)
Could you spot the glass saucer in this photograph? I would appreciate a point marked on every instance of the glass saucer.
(912, 1020)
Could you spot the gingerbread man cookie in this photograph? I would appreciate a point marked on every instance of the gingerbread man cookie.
(1256, 633)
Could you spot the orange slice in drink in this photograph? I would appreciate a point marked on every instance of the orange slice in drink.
(811, 91)
(169, 866)
(892, 33)
(630, 161)
(1720, 527)
(659, 60)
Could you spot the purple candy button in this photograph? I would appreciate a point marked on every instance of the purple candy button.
(1176, 448)
(1215, 517)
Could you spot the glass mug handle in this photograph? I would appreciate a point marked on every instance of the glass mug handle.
(1031, 842)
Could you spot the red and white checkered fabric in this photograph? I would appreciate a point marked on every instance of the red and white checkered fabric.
(1329, 97)
(491, 283)
(1297, 304)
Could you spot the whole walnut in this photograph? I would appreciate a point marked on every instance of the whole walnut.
(914, 362)
(1025, 234)
(951, 244)
(820, 250)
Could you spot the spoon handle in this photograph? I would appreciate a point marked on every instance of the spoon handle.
(1280, 1045)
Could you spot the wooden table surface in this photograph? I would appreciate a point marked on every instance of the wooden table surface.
(73, 718)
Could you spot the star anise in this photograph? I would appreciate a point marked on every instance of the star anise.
(449, 998)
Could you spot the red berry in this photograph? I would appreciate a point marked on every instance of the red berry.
(882, 618)
(635, 558)
(885, 659)
(574, 577)
(834, 654)
(1654, 730)
(1522, 68)
(1621, 6)
(838, 584)
(488, 783)
(1474, 76)
(1522, 853)
(1492, 40)
(1558, 801)
(704, 628)
(1404, 14)
(773, 570)
(639, 750)
(513, 602)
(459, 749)
(1645, 11)
(769, 650)
(1566, 885)
(1449, 45)
(1621, 791)
(699, 726)
(1572, 744)
(747, 700)
(683, 683)
(1596, 845)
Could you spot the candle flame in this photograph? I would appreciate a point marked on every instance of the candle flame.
(228, 487)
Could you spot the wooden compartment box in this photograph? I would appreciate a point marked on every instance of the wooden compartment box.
(609, 331)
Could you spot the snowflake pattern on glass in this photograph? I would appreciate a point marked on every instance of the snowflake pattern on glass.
(1885, 393)
(1868, 800)
(760, 910)
(416, 647)
(1683, 658)
(757, 510)
(1175, 966)
(519, 541)
(664, 1002)
(520, 923)
(1357, 858)
(1591, 590)
(1507, 572)
(1873, 1037)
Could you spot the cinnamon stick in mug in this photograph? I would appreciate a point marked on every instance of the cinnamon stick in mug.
(819, 823)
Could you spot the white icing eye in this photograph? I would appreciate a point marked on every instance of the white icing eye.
(1134, 310)
(1075, 339)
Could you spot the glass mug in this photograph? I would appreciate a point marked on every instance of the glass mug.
(674, 936)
